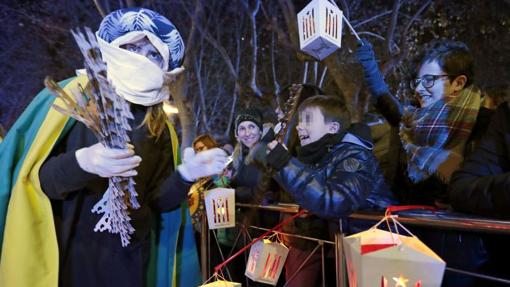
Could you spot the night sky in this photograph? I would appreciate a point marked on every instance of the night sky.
(35, 42)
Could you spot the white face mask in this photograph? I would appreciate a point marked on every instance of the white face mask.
(135, 78)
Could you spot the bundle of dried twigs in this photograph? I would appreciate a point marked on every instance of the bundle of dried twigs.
(107, 115)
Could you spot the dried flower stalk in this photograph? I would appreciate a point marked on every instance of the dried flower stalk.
(107, 115)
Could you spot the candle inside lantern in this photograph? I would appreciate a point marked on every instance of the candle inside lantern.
(401, 281)
(219, 203)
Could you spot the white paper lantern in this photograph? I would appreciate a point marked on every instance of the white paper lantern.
(380, 258)
(320, 28)
(220, 207)
(266, 261)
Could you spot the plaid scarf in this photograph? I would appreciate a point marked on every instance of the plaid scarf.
(434, 137)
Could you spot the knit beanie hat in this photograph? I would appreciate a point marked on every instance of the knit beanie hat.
(250, 114)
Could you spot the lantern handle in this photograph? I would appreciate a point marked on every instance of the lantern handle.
(214, 277)
(396, 223)
(348, 24)
(352, 29)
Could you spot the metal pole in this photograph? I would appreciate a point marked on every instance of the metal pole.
(339, 260)
(305, 73)
(204, 256)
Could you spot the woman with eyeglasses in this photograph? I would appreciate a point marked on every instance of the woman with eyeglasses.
(434, 135)
(433, 139)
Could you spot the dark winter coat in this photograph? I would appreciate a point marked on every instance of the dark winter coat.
(89, 258)
(482, 185)
(347, 179)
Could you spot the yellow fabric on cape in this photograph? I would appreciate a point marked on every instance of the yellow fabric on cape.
(30, 250)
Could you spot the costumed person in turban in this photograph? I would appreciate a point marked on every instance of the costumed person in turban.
(54, 171)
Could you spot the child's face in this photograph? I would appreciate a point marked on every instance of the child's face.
(312, 126)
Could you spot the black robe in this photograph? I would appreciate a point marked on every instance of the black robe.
(89, 258)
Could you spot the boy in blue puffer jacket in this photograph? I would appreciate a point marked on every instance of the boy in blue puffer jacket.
(333, 175)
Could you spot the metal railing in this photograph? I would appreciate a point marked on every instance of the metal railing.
(435, 220)
(443, 220)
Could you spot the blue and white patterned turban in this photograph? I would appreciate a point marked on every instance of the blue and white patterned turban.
(123, 21)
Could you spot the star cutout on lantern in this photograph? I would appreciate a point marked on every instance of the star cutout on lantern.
(401, 281)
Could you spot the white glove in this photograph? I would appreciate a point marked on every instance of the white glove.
(187, 154)
(202, 164)
(108, 162)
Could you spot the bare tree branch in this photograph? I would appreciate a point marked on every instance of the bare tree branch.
(273, 65)
(345, 9)
(201, 94)
(373, 18)
(107, 7)
(237, 90)
(253, 14)
(404, 49)
(34, 19)
(180, 89)
(416, 15)
(289, 14)
(393, 25)
(372, 34)
(201, 70)
(99, 8)
(235, 94)
(223, 52)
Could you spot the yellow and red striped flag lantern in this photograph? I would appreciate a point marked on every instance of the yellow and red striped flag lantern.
(320, 28)
(220, 207)
(266, 261)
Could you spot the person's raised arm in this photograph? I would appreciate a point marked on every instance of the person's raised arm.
(385, 102)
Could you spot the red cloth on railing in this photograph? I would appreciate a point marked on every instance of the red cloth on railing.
(397, 208)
